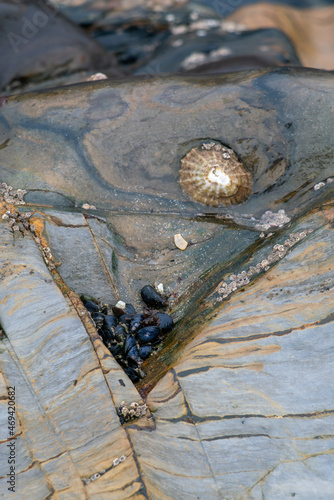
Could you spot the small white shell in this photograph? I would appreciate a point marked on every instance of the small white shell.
(213, 175)
(96, 77)
(180, 242)
(159, 287)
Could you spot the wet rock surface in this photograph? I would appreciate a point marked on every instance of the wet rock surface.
(237, 402)
(260, 115)
(221, 51)
(38, 44)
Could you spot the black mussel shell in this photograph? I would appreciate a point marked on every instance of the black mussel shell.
(132, 374)
(129, 309)
(91, 306)
(149, 334)
(129, 342)
(165, 322)
(135, 322)
(120, 333)
(98, 318)
(132, 357)
(145, 351)
(152, 298)
(110, 321)
(106, 334)
(122, 419)
(115, 349)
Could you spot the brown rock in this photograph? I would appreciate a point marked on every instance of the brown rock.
(310, 30)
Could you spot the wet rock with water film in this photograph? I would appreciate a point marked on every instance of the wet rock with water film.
(238, 394)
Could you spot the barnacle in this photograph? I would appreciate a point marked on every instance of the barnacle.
(212, 174)
(243, 278)
(129, 412)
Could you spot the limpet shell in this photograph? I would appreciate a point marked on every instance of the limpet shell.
(212, 174)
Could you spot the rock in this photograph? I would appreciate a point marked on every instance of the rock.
(309, 30)
(254, 377)
(270, 100)
(221, 52)
(241, 389)
(37, 43)
(58, 380)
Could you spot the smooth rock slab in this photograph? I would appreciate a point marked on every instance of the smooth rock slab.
(37, 43)
(247, 412)
(67, 427)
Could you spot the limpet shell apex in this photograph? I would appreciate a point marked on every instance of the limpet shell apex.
(212, 174)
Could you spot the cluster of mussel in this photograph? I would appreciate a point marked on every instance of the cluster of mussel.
(129, 335)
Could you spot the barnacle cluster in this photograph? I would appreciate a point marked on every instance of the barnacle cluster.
(96, 77)
(97, 475)
(243, 278)
(12, 196)
(212, 174)
(160, 5)
(48, 257)
(271, 219)
(320, 185)
(131, 411)
(198, 58)
(202, 26)
(17, 221)
(118, 460)
(22, 222)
